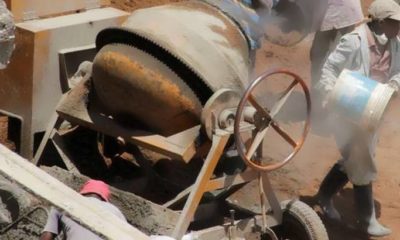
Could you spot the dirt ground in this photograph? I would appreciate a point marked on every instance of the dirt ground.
(303, 176)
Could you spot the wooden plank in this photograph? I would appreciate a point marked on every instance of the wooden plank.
(179, 146)
(80, 209)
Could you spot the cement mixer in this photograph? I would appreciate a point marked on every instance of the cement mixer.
(173, 79)
(180, 70)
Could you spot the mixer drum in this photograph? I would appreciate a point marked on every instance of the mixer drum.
(165, 62)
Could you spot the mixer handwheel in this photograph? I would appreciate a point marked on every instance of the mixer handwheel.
(265, 118)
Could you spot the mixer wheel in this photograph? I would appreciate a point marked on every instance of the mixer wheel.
(300, 222)
(13, 201)
(265, 118)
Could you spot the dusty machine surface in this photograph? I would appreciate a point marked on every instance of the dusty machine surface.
(7, 35)
(46, 31)
(173, 79)
(178, 77)
(42, 29)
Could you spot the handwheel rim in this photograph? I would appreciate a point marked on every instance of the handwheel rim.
(241, 106)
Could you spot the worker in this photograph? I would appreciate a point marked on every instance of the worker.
(373, 50)
(95, 191)
(7, 29)
(332, 20)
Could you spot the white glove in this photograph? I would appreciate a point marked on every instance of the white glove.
(393, 84)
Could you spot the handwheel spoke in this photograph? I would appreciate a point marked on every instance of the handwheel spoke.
(284, 134)
(257, 106)
(283, 98)
(256, 143)
(262, 118)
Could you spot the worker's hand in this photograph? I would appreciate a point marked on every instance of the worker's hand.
(394, 85)
(47, 236)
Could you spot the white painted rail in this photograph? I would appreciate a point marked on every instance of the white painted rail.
(41, 184)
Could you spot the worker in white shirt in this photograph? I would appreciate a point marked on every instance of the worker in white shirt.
(333, 19)
(371, 50)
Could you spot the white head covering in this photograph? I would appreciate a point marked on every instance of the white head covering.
(382, 9)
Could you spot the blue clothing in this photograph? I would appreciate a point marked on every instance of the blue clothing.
(247, 18)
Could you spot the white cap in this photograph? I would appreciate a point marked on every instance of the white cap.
(382, 9)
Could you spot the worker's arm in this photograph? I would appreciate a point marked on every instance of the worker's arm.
(52, 228)
(47, 236)
(342, 57)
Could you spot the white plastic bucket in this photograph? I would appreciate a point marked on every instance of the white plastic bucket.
(360, 100)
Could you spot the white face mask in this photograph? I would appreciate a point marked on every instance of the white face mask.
(382, 39)
(7, 35)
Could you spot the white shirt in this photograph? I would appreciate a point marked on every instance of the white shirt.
(341, 14)
(57, 222)
(353, 53)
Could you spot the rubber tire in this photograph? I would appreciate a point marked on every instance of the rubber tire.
(301, 222)
(14, 199)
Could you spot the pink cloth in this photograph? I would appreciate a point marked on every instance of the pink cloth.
(380, 59)
(98, 187)
(341, 13)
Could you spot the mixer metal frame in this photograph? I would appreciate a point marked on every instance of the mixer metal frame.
(73, 108)
(204, 182)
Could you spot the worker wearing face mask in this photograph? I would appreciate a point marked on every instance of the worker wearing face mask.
(372, 50)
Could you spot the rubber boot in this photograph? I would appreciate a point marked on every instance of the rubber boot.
(334, 181)
(364, 202)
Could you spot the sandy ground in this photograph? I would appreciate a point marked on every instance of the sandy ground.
(303, 176)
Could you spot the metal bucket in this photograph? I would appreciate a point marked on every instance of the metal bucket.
(360, 100)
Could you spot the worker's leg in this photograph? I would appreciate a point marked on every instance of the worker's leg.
(361, 170)
(337, 177)
(334, 181)
(364, 202)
